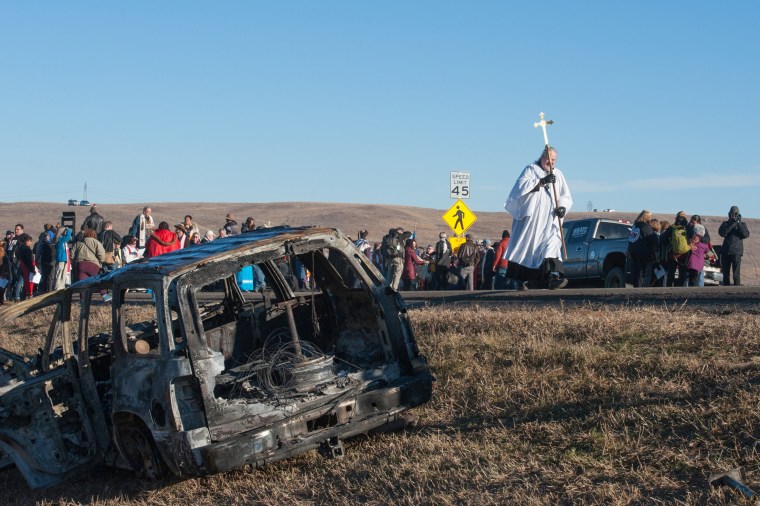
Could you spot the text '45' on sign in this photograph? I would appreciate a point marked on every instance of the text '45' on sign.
(460, 185)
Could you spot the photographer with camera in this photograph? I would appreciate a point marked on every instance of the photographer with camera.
(733, 231)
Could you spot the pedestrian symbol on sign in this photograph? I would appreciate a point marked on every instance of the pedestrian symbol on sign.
(459, 217)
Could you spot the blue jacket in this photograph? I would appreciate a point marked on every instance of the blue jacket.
(60, 246)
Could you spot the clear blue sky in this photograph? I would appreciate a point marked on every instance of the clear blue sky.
(655, 103)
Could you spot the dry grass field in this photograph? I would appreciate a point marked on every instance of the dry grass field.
(350, 218)
(589, 405)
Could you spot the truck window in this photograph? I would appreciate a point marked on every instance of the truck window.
(607, 230)
(578, 232)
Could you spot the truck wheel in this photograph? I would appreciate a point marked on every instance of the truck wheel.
(615, 278)
(142, 454)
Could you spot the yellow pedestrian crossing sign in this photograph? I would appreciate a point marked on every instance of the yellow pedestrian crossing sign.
(459, 218)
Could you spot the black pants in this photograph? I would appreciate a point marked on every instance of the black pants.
(442, 277)
(728, 263)
(673, 266)
(487, 282)
(46, 283)
(638, 266)
(549, 265)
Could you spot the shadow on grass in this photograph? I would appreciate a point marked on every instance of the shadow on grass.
(99, 485)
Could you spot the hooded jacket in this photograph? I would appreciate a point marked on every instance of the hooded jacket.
(160, 242)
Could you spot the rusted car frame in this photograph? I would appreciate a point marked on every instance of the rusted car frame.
(213, 379)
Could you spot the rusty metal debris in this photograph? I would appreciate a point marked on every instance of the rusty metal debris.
(193, 376)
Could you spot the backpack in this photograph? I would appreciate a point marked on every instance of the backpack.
(678, 242)
(391, 246)
(467, 254)
(15, 260)
(634, 235)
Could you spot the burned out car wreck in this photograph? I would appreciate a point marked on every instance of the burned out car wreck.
(186, 373)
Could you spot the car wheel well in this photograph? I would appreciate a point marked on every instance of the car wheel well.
(615, 278)
(136, 444)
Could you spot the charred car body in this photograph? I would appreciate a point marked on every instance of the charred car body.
(195, 377)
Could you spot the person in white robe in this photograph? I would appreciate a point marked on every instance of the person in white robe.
(142, 226)
(535, 250)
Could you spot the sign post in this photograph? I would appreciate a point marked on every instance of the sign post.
(459, 217)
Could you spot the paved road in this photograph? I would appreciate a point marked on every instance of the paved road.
(718, 298)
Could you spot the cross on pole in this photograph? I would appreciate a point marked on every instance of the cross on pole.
(543, 124)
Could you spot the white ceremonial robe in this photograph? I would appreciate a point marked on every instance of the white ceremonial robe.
(535, 228)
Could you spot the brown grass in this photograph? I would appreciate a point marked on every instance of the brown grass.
(531, 406)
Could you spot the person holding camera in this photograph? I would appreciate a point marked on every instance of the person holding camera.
(733, 231)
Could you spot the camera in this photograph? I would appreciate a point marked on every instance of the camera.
(738, 217)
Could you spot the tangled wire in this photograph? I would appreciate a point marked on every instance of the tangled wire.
(273, 365)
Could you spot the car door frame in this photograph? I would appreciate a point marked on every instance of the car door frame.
(76, 409)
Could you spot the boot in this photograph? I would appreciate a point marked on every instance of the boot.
(555, 282)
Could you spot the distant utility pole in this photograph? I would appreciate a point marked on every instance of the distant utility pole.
(84, 195)
(589, 206)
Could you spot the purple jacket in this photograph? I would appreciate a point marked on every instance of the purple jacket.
(697, 258)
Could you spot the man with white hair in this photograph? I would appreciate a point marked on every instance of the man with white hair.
(208, 236)
(535, 250)
(142, 227)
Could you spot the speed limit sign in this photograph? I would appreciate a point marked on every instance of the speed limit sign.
(460, 185)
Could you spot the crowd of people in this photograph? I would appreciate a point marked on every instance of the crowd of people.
(405, 265)
(58, 256)
(665, 254)
(660, 253)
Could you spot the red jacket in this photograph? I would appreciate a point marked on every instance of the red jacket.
(160, 242)
(500, 258)
(410, 260)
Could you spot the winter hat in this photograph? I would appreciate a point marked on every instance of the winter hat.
(733, 211)
(699, 230)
